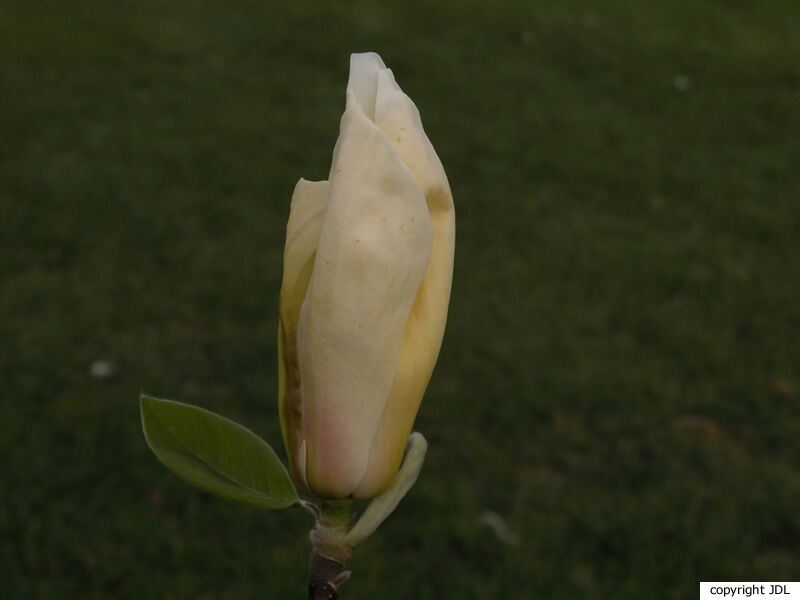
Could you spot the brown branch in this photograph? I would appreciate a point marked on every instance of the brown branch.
(325, 575)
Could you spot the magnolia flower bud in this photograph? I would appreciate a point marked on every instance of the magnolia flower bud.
(368, 264)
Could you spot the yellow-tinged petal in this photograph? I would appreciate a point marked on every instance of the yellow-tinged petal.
(302, 234)
(399, 119)
(373, 251)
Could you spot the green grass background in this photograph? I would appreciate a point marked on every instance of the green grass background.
(619, 380)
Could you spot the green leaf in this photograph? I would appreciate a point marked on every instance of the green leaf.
(215, 454)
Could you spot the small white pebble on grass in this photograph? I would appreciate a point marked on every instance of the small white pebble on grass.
(498, 526)
(102, 369)
(681, 82)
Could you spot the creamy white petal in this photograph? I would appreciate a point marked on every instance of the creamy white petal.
(386, 87)
(373, 251)
(397, 116)
(362, 84)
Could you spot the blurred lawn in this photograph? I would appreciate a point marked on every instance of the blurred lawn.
(620, 376)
